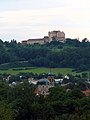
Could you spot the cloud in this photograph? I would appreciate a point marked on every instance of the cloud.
(71, 16)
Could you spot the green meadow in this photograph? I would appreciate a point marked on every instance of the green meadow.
(38, 70)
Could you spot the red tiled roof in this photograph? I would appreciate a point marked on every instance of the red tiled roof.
(86, 92)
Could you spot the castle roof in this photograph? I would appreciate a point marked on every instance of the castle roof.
(38, 39)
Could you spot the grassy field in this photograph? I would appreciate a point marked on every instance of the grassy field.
(38, 70)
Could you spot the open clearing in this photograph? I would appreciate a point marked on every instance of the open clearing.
(37, 70)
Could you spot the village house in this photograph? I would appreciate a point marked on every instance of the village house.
(86, 92)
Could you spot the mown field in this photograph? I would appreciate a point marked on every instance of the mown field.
(37, 70)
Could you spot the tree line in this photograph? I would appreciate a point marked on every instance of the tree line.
(72, 53)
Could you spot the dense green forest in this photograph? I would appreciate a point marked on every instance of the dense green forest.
(20, 103)
(72, 53)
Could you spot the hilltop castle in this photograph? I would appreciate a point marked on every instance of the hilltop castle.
(53, 35)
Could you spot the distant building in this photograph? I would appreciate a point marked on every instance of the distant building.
(44, 84)
(43, 87)
(58, 35)
(33, 41)
(86, 92)
(53, 35)
(58, 81)
(51, 79)
(66, 76)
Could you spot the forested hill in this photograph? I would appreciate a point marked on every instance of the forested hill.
(72, 53)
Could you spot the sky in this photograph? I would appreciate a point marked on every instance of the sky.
(25, 19)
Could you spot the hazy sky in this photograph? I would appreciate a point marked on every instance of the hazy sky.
(24, 19)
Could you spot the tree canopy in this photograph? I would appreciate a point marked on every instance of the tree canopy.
(72, 53)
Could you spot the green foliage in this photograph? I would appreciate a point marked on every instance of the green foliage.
(22, 104)
(3, 90)
(36, 70)
(5, 112)
(72, 54)
(19, 102)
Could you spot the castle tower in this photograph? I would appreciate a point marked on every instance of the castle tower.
(58, 35)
